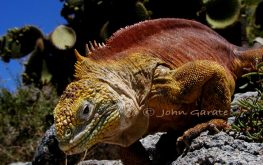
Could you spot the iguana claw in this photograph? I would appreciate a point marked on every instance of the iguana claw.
(213, 126)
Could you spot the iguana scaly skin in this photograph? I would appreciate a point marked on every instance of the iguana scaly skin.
(157, 75)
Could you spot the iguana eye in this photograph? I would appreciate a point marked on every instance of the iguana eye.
(86, 110)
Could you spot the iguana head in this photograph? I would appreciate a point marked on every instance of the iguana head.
(96, 108)
(87, 113)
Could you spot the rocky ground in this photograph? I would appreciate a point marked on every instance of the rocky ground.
(206, 149)
(221, 148)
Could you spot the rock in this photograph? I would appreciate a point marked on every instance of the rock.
(48, 151)
(222, 149)
(101, 162)
(150, 141)
(161, 147)
(21, 163)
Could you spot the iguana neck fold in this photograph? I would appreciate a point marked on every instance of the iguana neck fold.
(130, 76)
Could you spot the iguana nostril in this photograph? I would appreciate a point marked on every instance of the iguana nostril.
(68, 133)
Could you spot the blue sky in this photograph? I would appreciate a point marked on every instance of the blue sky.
(45, 14)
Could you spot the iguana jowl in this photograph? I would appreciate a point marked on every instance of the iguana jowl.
(163, 65)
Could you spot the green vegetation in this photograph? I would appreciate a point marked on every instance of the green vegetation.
(249, 117)
(24, 117)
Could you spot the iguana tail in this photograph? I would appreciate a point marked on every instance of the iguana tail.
(247, 60)
(251, 54)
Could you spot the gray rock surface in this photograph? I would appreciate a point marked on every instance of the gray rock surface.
(101, 162)
(206, 149)
(21, 163)
(48, 151)
(222, 149)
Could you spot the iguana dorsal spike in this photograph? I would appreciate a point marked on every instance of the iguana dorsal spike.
(95, 44)
(88, 52)
(78, 56)
(91, 46)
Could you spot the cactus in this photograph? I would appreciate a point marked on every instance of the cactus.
(38, 69)
(252, 30)
(222, 13)
(72, 8)
(104, 33)
(141, 11)
(18, 42)
(98, 19)
(63, 37)
(33, 67)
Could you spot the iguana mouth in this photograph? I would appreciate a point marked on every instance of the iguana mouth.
(91, 134)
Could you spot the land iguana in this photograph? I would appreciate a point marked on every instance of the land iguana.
(157, 75)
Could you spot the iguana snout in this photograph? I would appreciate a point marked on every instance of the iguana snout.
(85, 115)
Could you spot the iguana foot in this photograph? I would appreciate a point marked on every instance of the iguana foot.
(214, 126)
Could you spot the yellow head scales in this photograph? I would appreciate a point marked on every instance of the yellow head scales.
(76, 131)
(68, 105)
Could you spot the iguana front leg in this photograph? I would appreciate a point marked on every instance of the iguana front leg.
(206, 85)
